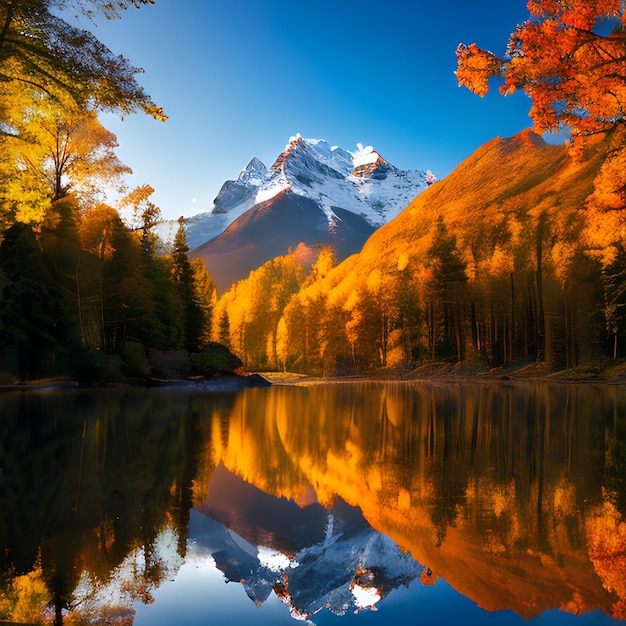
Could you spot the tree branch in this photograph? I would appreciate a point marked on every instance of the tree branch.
(7, 23)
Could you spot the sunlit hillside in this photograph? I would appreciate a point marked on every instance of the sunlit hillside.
(497, 263)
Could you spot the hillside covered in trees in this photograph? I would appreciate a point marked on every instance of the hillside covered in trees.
(504, 260)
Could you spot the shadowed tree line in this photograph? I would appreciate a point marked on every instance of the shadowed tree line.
(83, 295)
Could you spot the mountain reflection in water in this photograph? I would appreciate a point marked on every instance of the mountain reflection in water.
(327, 497)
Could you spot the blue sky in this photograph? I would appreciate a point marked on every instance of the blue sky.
(238, 78)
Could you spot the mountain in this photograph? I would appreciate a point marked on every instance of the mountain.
(361, 182)
(311, 557)
(491, 199)
(313, 193)
(271, 228)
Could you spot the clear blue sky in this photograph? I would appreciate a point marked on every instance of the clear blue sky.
(238, 78)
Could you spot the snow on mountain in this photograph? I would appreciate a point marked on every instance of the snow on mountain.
(273, 227)
(313, 558)
(361, 182)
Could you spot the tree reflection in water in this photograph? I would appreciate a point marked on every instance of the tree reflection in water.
(515, 495)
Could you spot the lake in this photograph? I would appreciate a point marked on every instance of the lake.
(338, 503)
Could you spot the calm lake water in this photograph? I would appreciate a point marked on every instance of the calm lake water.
(359, 503)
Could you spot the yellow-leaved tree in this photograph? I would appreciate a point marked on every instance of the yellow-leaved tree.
(58, 151)
(41, 49)
(54, 77)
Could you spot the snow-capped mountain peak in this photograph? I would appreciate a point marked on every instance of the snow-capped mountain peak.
(364, 156)
(360, 181)
(254, 173)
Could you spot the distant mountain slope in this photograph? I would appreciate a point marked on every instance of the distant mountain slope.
(361, 182)
(270, 229)
(502, 187)
(488, 265)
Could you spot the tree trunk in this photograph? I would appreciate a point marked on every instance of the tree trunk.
(457, 332)
(80, 307)
(431, 309)
(541, 321)
(512, 351)
(6, 25)
(101, 291)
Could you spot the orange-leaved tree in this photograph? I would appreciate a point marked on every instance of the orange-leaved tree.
(569, 57)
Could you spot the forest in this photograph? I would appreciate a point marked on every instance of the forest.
(87, 289)
(477, 271)
(518, 256)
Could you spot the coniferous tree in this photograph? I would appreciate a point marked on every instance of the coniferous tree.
(223, 332)
(207, 295)
(614, 287)
(30, 304)
(448, 276)
(191, 318)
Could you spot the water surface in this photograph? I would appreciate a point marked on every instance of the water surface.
(364, 503)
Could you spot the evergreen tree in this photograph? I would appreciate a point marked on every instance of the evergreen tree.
(207, 295)
(191, 317)
(223, 333)
(30, 306)
(443, 309)
(614, 287)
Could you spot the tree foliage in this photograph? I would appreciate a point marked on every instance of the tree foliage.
(80, 295)
(53, 79)
(246, 317)
(63, 151)
(574, 72)
(190, 310)
(42, 50)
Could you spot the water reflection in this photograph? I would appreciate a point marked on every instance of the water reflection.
(328, 497)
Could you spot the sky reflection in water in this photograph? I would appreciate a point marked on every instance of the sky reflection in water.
(199, 595)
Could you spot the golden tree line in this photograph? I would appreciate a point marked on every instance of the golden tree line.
(468, 273)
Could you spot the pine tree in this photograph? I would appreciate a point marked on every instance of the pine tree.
(29, 304)
(190, 317)
(448, 275)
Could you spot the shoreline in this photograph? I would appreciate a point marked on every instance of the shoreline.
(439, 373)
(465, 373)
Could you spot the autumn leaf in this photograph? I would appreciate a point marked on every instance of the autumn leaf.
(475, 67)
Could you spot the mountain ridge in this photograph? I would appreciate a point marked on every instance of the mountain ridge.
(362, 182)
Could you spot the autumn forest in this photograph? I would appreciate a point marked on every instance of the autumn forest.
(518, 256)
